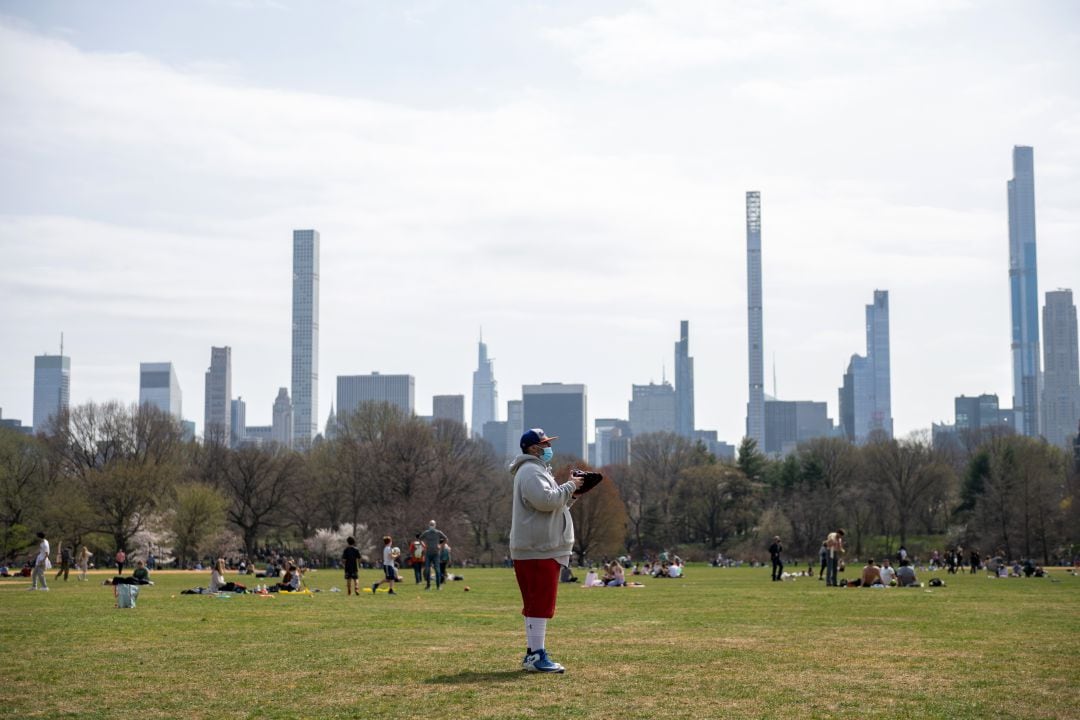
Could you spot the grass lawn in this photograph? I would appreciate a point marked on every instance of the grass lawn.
(718, 643)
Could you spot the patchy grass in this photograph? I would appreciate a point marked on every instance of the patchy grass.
(718, 643)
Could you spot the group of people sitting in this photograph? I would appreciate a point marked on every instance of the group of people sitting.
(885, 575)
(289, 583)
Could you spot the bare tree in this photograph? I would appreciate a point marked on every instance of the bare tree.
(906, 471)
(257, 482)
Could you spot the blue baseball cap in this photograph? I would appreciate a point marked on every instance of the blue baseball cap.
(535, 436)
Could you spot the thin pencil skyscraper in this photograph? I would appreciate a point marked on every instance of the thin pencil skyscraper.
(1024, 292)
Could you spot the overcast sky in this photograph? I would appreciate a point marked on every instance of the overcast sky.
(568, 176)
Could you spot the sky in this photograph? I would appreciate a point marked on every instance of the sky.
(566, 178)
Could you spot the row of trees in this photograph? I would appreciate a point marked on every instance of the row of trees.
(110, 476)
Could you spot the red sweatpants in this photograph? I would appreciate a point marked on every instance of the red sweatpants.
(538, 581)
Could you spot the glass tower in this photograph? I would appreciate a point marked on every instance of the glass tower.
(1024, 292)
(485, 393)
(684, 383)
(52, 388)
(305, 336)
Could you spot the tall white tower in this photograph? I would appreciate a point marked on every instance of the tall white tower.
(755, 409)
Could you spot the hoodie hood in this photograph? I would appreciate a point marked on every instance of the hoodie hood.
(524, 458)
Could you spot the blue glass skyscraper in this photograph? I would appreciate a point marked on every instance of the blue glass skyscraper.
(1024, 291)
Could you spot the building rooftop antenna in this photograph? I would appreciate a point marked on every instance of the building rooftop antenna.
(61, 343)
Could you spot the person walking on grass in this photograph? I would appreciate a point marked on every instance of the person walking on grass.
(777, 564)
(121, 558)
(823, 555)
(431, 538)
(41, 564)
(83, 562)
(541, 540)
(64, 558)
(350, 558)
(835, 545)
(389, 571)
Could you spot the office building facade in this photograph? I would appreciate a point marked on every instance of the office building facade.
(52, 389)
(305, 337)
(217, 406)
(237, 422)
(355, 390)
(790, 422)
(612, 440)
(652, 409)
(559, 409)
(283, 419)
(1061, 369)
(515, 426)
(448, 407)
(1024, 292)
(158, 386)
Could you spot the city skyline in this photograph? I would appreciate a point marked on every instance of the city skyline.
(577, 198)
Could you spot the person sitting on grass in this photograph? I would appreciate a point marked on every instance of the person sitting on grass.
(217, 579)
(592, 579)
(291, 581)
(887, 573)
(618, 575)
(675, 570)
(566, 575)
(141, 574)
(905, 574)
(871, 574)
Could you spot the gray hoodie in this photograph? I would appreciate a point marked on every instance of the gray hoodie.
(541, 526)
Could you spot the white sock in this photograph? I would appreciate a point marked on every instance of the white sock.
(535, 633)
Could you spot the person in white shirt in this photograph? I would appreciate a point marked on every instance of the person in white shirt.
(887, 572)
(592, 579)
(41, 564)
(389, 570)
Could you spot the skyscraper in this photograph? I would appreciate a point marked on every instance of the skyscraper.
(305, 336)
(612, 441)
(448, 407)
(284, 412)
(1061, 386)
(217, 422)
(355, 390)
(159, 387)
(790, 422)
(52, 389)
(877, 355)
(485, 395)
(1024, 291)
(755, 414)
(559, 409)
(866, 395)
(652, 408)
(515, 426)
(237, 422)
(684, 383)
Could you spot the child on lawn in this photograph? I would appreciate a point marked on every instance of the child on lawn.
(389, 572)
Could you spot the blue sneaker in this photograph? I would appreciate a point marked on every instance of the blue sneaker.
(538, 661)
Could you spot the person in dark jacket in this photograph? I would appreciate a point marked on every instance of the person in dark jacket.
(774, 553)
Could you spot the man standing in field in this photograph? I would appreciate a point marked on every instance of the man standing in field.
(777, 564)
(431, 538)
(834, 543)
(541, 539)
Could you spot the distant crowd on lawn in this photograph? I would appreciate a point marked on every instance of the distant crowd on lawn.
(901, 570)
